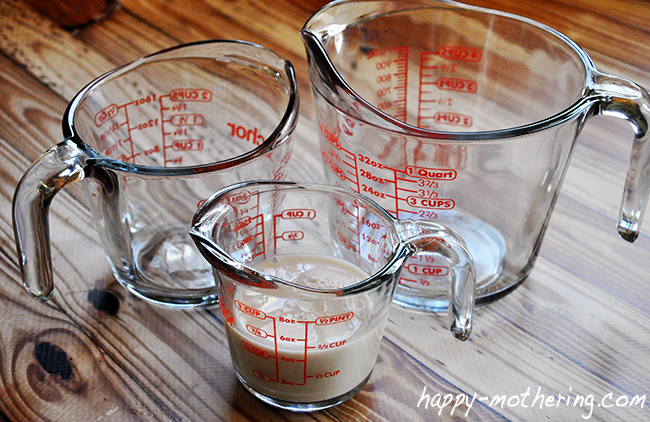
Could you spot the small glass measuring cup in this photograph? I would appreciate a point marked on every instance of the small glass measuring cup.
(306, 278)
(153, 138)
(465, 116)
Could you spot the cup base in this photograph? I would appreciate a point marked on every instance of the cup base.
(308, 406)
(174, 298)
(169, 271)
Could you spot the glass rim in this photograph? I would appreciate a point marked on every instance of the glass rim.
(280, 134)
(230, 265)
(578, 107)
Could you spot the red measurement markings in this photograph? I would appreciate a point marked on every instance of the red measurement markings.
(430, 173)
(291, 214)
(240, 198)
(304, 372)
(406, 280)
(248, 242)
(262, 376)
(298, 213)
(164, 133)
(365, 174)
(347, 243)
(290, 360)
(239, 224)
(332, 345)
(250, 310)
(456, 84)
(335, 319)
(431, 203)
(371, 224)
(255, 350)
(113, 148)
(332, 138)
(453, 119)
(427, 270)
(145, 125)
(391, 78)
(187, 145)
(467, 54)
(369, 161)
(431, 65)
(328, 374)
(190, 95)
(330, 161)
(227, 315)
(181, 120)
(129, 139)
(142, 101)
(343, 207)
(290, 339)
(289, 236)
(422, 282)
(106, 114)
(257, 332)
(189, 119)
(401, 82)
(352, 173)
(373, 192)
(426, 94)
(111, 130)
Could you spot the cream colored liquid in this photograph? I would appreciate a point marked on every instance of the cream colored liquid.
(305, 351)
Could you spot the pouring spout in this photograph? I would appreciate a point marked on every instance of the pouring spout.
(332, 60)
(329, 85)
(322, 74)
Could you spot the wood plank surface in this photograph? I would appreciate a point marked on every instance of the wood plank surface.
(578, 327)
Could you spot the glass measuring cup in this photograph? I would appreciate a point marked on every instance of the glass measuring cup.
(306, 278)
(464, 116)
(152, 139)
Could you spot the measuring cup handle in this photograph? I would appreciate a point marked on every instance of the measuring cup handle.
(56, 168)
(627, 100)
(427, 236)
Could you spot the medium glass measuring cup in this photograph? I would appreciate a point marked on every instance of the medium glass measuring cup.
(153, 138)
(465, 116)
(306, 278)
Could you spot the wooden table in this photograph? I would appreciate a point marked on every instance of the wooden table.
(578, 328)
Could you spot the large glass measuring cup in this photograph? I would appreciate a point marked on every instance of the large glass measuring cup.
(464, 116)
(152, 139)
(306, 277)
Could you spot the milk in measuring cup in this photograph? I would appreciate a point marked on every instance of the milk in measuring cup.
(304, 350)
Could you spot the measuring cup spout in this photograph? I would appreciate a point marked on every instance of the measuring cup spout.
(203, 228)
(328, 83)
(327, 78)
(324, 77)
(434, 238)
(320, 68)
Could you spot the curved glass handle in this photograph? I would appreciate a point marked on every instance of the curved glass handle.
(427, 236)
(629, 101)
(56, 168)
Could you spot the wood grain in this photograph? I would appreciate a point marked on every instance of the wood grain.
(579, 325)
